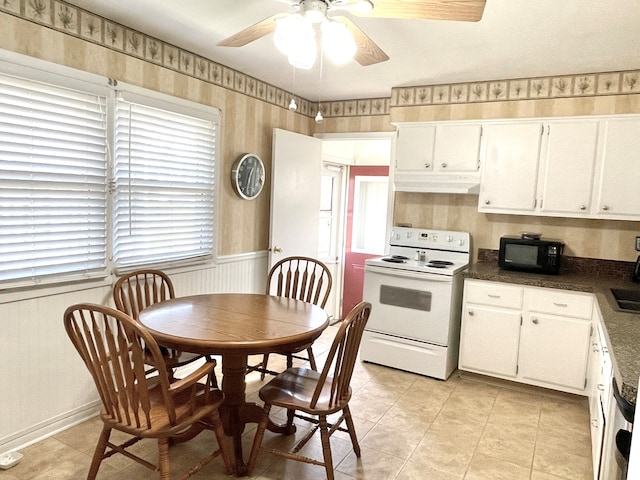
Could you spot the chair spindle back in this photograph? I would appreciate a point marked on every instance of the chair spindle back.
(137, 290)
(342, 355)
(112, 346)
(300, 278)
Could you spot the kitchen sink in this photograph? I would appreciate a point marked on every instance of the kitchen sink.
(626, 300)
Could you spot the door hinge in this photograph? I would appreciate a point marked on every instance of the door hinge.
(517, 369)
(585, 382)
(521, 320)
(591, 334)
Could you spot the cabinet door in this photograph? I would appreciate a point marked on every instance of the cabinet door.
(569, 167)
(510, 167)
(457, 148)
(554, 350)
(489, 340)
(620, 175)
(414, 147)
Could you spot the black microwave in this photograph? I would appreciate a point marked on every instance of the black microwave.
(530, 254)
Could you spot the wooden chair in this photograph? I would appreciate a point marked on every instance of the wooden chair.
(302, 278)
(114, 348)
(317, 394)
(137, 290)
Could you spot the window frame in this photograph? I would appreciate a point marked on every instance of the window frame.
(42, 71)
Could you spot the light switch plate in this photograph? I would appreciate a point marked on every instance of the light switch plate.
(638, 244)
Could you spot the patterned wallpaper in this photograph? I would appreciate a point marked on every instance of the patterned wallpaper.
(582, 85)
(75, 21)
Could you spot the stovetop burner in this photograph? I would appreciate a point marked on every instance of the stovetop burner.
(400, 257)
(439, 263)
(394, 259)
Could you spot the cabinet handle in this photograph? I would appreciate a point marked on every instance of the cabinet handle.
(493, 295)
(444, 165)
(487, 202)
(534, 321)
(427, 165)
(563, 305)
(594, 423)
(600, 387)
(583, 207)
(605, 207)
(471, 313)
(605, 350)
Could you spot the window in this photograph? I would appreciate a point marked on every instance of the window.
(53, 196)
(164, 173)
(369, 214)
(72, 208)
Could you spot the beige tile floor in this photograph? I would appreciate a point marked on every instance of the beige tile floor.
(410, 427)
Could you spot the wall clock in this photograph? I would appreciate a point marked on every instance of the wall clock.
(247, 176)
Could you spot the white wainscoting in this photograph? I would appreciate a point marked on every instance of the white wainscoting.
(45, 387)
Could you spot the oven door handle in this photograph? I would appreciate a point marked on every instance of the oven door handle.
(396, 272)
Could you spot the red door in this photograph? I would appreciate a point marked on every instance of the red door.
(372, 205)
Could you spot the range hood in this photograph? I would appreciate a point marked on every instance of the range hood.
(437, 183)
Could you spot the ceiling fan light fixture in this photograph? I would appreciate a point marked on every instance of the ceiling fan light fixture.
(315, 11)
(289, 30)
(337, 42)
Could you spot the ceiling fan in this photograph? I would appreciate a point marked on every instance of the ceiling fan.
(367, 53)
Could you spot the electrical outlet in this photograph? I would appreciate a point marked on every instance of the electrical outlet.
(638, 244)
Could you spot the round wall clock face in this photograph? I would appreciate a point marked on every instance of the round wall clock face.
(247, 176)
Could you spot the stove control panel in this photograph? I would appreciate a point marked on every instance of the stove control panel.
(433, 239)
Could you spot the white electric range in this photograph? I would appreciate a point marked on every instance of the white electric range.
(416, 297)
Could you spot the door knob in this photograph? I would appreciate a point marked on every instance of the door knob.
(277, 250)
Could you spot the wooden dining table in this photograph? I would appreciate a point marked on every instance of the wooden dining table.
(234, 326)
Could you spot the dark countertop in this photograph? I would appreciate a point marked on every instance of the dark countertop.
(622, 329)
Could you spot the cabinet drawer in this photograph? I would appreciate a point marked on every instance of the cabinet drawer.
(558, 302)
(494, 294)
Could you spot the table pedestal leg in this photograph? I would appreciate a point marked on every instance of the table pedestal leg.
(236, 412)
(234, 369)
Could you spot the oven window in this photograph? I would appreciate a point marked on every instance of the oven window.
(405, 297)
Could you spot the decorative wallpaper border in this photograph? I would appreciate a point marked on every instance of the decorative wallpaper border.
(75, 21)
(564, 86)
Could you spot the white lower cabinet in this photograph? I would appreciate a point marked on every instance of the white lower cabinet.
(538, 336)
(600, 400)
(490, 338)
(554, 350)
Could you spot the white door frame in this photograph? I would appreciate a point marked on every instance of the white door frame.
(359, 136)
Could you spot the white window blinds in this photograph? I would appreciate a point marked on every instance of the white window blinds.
(164, 171)
(53, 182)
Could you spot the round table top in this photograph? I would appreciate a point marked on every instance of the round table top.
(234, 323)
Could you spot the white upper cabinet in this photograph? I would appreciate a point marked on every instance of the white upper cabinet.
(509, 156)
(569, 164)
(457, 148)
(438, 148)
(619, 188)
(414, 147)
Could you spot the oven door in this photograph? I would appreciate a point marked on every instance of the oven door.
(409, 304)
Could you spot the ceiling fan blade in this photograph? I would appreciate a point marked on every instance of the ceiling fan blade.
(458, 10)
(252, 33)
(368, 52)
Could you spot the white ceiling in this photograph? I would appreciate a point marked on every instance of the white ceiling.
(514, 39)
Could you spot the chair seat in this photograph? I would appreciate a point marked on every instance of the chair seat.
(294, 389)
(184, 409)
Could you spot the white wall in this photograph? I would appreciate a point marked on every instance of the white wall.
(45, 387)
